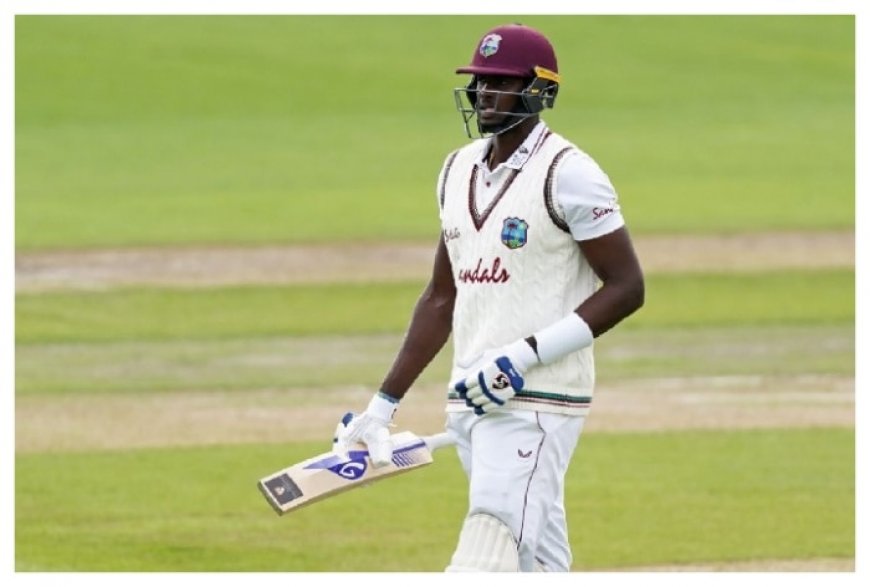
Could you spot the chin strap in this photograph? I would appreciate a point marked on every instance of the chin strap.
(468, 111)
(505, 126)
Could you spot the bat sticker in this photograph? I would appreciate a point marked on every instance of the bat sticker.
(356, 464)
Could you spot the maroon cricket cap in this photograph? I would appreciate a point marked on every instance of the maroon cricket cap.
(513, 50)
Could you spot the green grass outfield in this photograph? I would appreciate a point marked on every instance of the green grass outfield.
(159, 131)
(298, 364)
(261, 337)
(166, 314)
(148, 130)
(632, 499)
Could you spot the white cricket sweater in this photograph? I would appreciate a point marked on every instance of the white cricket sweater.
(517, 269)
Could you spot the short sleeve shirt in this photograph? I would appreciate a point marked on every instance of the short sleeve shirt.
(584, 194)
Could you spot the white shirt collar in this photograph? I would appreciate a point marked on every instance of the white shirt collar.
(519, 157)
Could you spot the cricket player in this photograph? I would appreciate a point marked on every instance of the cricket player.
(534, 262)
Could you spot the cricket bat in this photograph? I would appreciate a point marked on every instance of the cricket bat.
(328, 473)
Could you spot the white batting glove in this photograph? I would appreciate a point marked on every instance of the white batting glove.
(369, 428)
(489, 387)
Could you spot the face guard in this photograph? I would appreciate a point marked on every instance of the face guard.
(540, 93)
(515, 51)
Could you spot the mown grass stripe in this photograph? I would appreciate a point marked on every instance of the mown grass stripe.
(792, 297)
(270, 362)
(632, 500)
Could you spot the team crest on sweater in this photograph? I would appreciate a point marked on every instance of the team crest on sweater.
(514, 232)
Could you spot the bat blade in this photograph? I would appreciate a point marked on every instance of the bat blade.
(328, 474)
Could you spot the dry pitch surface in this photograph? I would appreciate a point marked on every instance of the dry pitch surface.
(372, 262)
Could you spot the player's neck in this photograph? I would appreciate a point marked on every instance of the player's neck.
(503, 145)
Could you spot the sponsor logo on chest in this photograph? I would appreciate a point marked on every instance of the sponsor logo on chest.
(491, 273)
(451, 234)
(514, 235)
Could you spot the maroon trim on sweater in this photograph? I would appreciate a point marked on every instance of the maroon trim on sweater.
(479, 219)
(548, 191)
(447, 167)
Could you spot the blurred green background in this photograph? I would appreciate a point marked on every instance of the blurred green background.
(231, 129)
(150, 131)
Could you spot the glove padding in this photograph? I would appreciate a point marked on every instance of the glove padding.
(369, 428)
(489, 387)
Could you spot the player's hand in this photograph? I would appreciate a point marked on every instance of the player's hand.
(369, 428)
(490, 386)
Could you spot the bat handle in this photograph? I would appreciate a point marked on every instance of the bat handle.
(437, 441)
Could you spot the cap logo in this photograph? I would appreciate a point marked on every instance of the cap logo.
(489, 45)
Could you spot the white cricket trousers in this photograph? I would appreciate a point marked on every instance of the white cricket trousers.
(516, 462)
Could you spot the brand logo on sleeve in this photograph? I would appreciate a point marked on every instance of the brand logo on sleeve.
(601, 212)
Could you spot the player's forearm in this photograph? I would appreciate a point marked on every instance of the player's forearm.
(429, 330)
(617, 299)
(613, 302)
